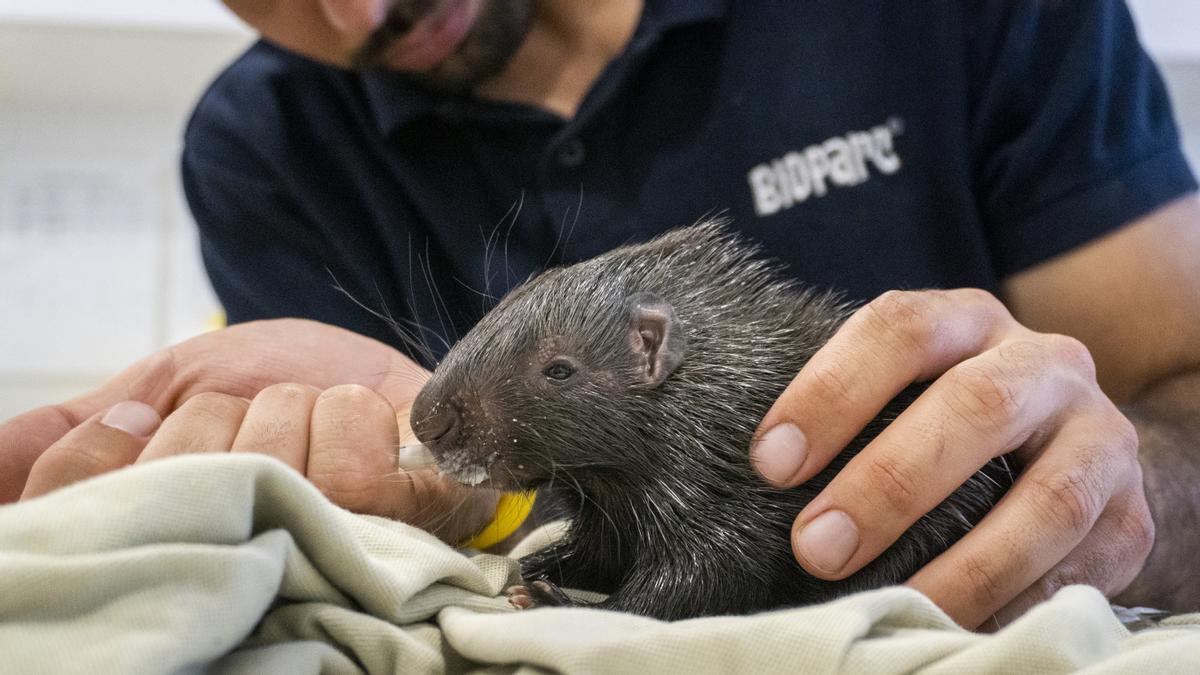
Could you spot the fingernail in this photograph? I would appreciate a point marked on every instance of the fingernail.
(780, 453)
(828, 541)
(132, 417)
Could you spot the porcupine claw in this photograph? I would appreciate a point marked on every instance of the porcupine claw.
(540, 593)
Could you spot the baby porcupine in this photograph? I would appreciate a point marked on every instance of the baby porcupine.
(629, 387)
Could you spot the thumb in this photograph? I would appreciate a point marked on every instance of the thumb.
(354, 436)
(22, 440)
(105, 442)
(25, 437)
(448, 509)
(451, 511)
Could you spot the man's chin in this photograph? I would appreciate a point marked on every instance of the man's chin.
(487, 50)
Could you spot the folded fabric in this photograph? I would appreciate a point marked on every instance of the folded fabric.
(236, 564)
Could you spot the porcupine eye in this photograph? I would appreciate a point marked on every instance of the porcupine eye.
(559, 371)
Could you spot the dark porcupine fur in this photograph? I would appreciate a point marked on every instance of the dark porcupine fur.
(669, 517)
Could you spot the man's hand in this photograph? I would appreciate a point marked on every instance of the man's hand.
(1077, 513)
(344, 439)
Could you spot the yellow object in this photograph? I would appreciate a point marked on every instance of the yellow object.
(512, 510)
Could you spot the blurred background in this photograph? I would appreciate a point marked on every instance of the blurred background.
(98, 257)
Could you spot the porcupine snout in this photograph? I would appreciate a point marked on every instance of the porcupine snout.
(435, 422)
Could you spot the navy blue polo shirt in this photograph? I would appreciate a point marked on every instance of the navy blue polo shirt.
(867, 144)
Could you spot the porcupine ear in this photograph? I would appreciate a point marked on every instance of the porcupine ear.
(655, 337)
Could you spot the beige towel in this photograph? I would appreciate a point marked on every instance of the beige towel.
(234, 563)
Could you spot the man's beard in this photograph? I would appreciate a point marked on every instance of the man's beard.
(494, 37)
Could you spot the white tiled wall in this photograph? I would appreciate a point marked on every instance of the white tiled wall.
(98, 260)
(98, 263)
(97, 256)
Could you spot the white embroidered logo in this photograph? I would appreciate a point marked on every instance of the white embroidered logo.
(841, 161)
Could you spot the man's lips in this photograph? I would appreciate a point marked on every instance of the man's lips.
(434, 38)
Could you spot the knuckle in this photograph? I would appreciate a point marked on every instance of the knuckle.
(1135, 523)
(982, 394)
(344, 484)
(71, 459)
(66, 419)
(894, 483)
(263, 434)
(1072, 353)
(1088, 570)
(984, 582)
(1124, 435)
(907, 316)
(214, 405)
(1023, 354)
(987, 302)
(1138, 533)
(1108, 566)
(834, 384)
(1072, 497)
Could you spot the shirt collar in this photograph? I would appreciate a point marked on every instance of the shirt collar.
(394, 102)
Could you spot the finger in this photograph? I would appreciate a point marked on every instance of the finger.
(982, 408)
(207, 422)
(352, 459)
(1063, 493)
(24, 438)
(102, 443)
(1108, 558)
(897, 339)
(452, 511)
(352, 438)
(277, 424)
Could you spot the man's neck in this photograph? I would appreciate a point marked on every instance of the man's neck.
(568, 46)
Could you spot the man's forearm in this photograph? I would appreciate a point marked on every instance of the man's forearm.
(1167, 418)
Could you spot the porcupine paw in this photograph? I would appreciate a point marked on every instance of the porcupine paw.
(540, 593)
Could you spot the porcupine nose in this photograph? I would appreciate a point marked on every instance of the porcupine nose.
(436, 423)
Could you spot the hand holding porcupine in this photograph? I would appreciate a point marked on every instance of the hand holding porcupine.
(627, 388)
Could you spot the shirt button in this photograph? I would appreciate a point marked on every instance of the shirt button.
(571, 153)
